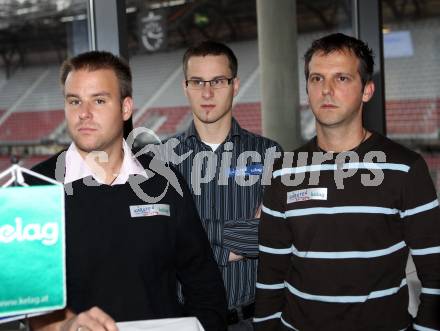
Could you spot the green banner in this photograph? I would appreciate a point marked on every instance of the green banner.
(32, 258)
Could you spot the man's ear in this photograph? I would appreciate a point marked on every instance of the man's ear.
(184, 87)
(127, 108)
(368, 91)
(236, 85)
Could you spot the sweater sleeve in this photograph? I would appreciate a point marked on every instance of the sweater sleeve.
(421, 215)
(202, 285)
(274, 258)
(214, 231)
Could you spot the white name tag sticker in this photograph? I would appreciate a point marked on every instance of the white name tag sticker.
(319, 193)
(150, 210)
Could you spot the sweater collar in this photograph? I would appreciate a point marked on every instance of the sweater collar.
(77, 168)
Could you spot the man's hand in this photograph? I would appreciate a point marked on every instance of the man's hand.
(234, 257)
(258, 212)
(93, 319)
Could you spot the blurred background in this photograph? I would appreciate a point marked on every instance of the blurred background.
(269, 38)
(36, 36)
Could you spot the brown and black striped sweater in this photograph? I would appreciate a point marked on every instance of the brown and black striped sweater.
(335, 238)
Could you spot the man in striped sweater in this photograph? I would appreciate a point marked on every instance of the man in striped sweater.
(344, 211)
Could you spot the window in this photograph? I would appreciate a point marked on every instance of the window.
(35, 37)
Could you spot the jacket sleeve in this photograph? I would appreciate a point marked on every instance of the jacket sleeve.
(202, 285)
(421, 214)
(241, 236)
(274, 259)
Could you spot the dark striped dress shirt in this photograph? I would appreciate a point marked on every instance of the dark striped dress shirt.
(227, 188)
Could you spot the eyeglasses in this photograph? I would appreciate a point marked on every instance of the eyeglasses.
(216, 83)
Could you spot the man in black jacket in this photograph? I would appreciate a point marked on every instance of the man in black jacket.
(129, 234)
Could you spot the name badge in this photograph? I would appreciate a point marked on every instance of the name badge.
(253, 169)
(150, 210)
(319, 193)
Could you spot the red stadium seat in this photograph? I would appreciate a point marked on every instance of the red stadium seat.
(30, 126)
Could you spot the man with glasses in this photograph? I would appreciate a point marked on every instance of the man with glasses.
(224, 165)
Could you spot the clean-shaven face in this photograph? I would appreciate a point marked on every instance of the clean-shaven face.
(94, 112)
(335, 89)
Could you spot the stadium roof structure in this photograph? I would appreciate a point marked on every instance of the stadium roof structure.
(33, 26)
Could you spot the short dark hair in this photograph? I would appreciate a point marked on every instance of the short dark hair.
(96, 60)
(210, 47)
(339, 42)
